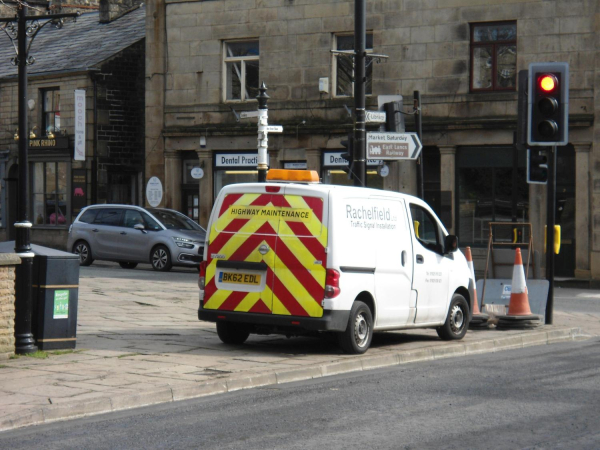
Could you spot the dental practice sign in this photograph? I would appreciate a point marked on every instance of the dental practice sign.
(239, 160)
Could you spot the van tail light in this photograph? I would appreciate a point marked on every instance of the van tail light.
(202, 275)
(332, 283)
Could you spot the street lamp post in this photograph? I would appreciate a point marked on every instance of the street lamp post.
(17, 29)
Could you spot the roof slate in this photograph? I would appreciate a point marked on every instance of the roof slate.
(77, 46)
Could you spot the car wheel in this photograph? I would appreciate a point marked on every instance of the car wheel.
(457, 321)
(359, 332)
(84, 251)
(128, 265)
(161, 259)
(232, 333)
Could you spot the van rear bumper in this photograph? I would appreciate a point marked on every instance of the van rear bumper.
(332, 320)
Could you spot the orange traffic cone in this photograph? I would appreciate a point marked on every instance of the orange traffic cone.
(519, 300)
(478, 318)
(519, 313)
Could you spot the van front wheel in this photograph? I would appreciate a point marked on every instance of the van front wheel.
(457, 321)
(359, 332)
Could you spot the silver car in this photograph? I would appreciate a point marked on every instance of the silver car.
(130, 235)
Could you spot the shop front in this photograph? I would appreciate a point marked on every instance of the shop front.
(332, 170)
(51, 190)
(234, 167)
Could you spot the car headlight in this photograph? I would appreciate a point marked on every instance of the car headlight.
(183, 242)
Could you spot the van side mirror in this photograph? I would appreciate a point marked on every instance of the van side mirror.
(450, 244)
(139, 226)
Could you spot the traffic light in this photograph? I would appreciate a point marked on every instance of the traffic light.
(537, 166)
(394, 119)
(349, 154)
(548, 104)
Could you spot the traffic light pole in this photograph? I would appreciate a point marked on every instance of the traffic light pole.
(550, 222)
(360, 38)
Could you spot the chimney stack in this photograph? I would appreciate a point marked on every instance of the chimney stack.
(113, 9)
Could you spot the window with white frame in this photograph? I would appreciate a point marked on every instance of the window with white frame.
(51, 110)
(240, 69)
(343, 66)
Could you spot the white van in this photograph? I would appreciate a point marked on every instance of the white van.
(293, 256)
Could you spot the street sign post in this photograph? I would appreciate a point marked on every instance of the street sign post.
(393, 146)
(375, 116)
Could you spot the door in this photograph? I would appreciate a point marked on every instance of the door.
(106, 229)
(191, 203)
(241, 256)
(394, 264)
(300, 259)
(135, 244)
(431, 267)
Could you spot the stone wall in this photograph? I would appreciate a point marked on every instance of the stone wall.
(428, 44)
(7, 303)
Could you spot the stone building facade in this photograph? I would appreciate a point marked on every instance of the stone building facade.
(105, 61)
(205, 58)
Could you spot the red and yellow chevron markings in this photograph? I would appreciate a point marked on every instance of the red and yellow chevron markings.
(291, 226)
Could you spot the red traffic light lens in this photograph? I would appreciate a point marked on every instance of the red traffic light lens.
(547, 82)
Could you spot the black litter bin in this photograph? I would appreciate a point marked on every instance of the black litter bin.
(55, 292)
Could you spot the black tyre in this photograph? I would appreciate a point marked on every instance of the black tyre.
(232, 333)
(457, 321)
(128, 265)
(359, 332)
(84, 251)
(161, 259)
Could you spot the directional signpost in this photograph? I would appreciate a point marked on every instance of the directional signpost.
(248, 114)
(393, 146)
(274, 129)
(263, 131)
(375, 116)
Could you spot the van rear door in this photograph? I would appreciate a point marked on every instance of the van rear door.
(300, 259)
(239, 272)
(266, 254)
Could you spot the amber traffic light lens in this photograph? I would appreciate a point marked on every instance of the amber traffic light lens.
(548, 83)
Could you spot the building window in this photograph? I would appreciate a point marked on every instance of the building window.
(343, 66)
(49, 190)
(493, 56)
(51, 110)
(240, 66)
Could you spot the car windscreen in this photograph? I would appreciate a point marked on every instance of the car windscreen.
(175, 221)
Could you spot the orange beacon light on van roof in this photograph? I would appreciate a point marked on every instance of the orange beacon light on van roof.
(298, 176)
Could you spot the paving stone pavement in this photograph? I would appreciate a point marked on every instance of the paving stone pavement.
(139, 342)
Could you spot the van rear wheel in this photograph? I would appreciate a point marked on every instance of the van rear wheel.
(359, 332)
(457, 321)
(232, 333)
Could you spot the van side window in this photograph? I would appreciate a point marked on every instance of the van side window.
(109, 216)
(426, 229)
